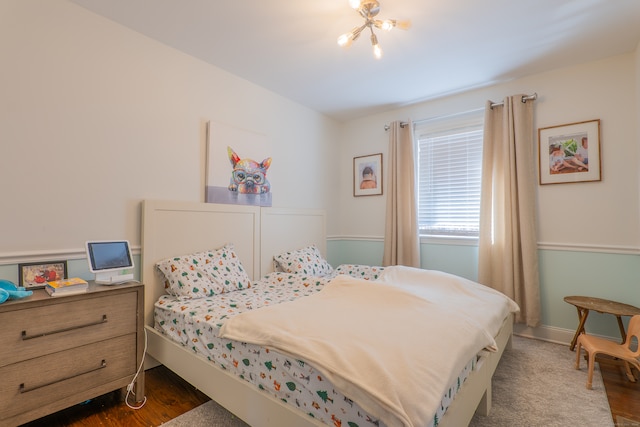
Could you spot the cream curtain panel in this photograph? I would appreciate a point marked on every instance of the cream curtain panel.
(401, 237)
(508, 256)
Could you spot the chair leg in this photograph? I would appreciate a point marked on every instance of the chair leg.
(592, 361)
(630, 375)
(579, 346)
(634, 365)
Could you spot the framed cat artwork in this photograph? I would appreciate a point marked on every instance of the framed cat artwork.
(237, 166)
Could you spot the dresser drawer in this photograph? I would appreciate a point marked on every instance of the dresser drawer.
(55, 377)
(63, 323)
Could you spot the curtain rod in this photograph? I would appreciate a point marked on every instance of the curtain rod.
(402, 125)
(524, 99)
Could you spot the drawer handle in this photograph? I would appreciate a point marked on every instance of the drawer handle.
(24, 389)
(30, 337)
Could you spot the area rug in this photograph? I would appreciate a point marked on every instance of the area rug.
(535, 384)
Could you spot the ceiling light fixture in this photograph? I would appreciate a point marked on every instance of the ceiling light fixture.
(368, 9)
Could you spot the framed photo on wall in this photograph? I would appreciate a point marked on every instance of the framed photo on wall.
(570, 153)
(34, 275)
(367, 175)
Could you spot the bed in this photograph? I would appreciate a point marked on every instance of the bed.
(172, 228)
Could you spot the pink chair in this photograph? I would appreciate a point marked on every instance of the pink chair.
(594, 345)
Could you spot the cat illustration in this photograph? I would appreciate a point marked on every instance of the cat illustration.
(248, 176)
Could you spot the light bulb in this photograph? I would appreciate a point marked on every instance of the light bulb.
(354, 4)
(377, 52)
(403, 25)
(388, 24)
(345, 40)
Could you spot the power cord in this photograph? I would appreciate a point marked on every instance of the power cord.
(132, 383)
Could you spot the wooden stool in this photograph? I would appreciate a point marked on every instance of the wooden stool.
(584, 304)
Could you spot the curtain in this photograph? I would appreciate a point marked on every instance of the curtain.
(508, 253)
(401, 237)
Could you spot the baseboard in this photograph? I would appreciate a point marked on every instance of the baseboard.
(150, 362)
(550, 333)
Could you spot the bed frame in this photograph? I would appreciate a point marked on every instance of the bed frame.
(174, 228)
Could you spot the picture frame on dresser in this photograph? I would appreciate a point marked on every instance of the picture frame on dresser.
(34, 275)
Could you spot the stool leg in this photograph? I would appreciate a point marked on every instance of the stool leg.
(578, 348)
(582, 316)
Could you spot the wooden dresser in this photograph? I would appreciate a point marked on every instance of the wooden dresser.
(58, 352)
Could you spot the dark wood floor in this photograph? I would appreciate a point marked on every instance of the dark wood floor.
(169, 396)
(623, 395)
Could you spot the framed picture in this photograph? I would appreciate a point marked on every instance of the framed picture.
(367, 175)
(231, 152)
(34, 275)
(570, 153)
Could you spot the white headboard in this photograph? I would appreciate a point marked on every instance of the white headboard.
(288, 229)
(171, 228)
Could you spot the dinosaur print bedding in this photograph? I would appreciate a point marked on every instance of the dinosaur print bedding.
(196, 324)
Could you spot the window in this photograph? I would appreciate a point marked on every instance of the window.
(449, 174)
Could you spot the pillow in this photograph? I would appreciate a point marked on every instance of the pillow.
(365, 272)
(186, 277)
(203, 274)
(307, 260)
(226, 269)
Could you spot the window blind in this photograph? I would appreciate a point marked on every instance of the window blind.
(449, 174)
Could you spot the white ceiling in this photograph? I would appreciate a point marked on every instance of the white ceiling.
(289, 46)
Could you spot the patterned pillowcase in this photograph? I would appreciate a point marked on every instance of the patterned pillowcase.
(307, 260)
(186, 277)
(203, 274)
(366, 272)
(225, 268)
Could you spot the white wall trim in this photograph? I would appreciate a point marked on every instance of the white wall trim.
(551, 334)
(357, 238)
(581, 247)
(550, 246)
(48, 255)
(449, 240)
(54, 254)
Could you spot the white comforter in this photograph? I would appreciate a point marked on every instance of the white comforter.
(383, 344)
(480, 304)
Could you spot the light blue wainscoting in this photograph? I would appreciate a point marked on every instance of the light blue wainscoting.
(461, 260)
(365, 252)
(603, 275)
(613, 276)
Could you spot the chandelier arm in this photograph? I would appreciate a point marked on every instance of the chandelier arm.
(357, 31)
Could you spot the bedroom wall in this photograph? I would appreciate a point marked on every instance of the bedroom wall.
(637, 73)
(589, 234)
(96, 117)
